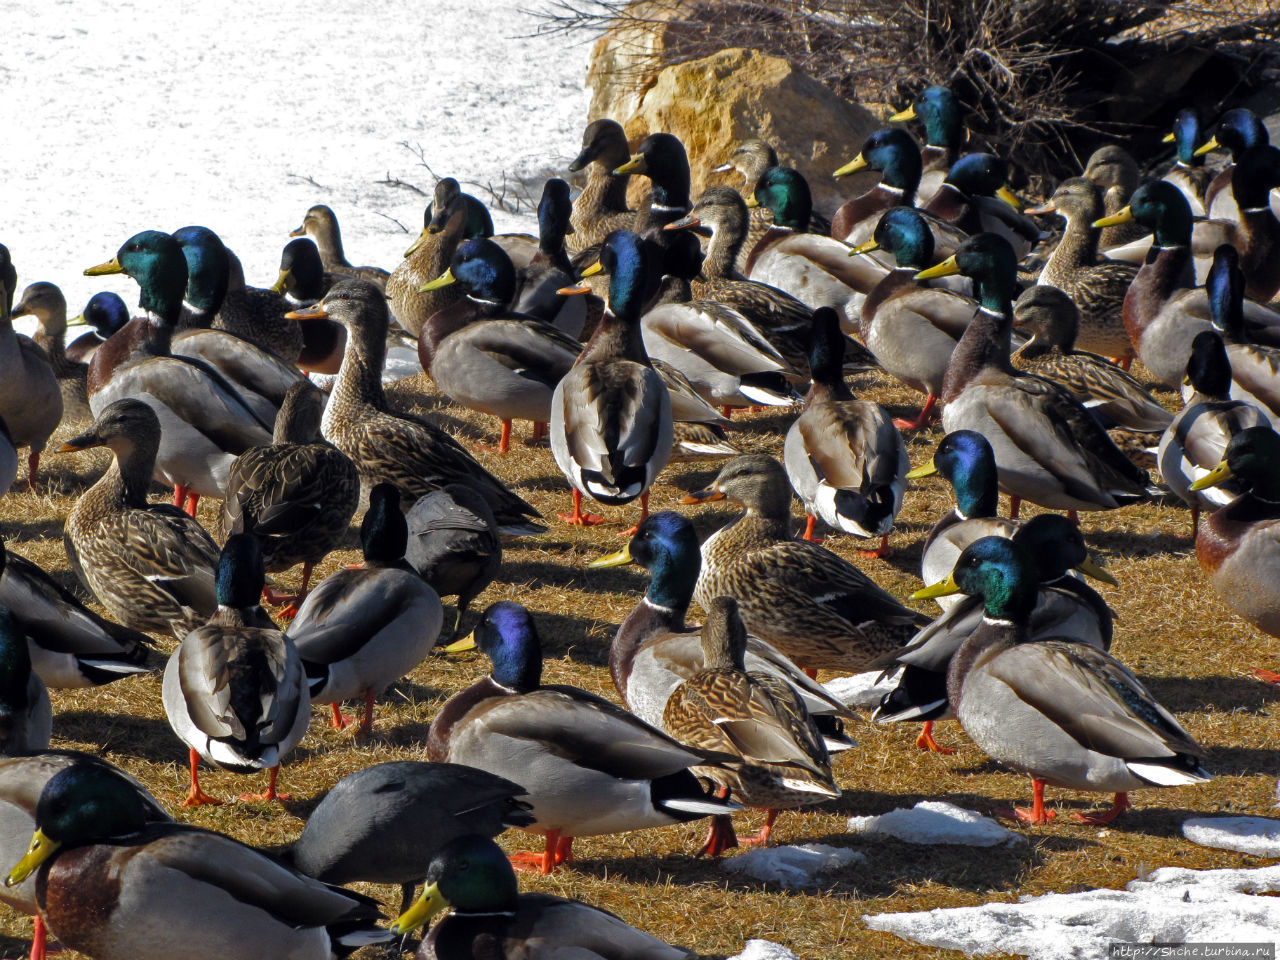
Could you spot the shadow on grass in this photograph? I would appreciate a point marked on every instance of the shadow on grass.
(1242, 761)
(631, 581)
(1188, 694)
(1125, 544)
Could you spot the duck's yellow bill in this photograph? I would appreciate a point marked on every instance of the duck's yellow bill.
(78, 321)
(943, 588)
(752, 201)
(1091, 569)
(1009, 197)
(619, 559)
(635, 165)
(1168, 138)
(702, 496)
(1207, 147)
(282, 281)
(592, 270)
(42, 848)
(103, 269)
(422, 238)
(861, 248)
(947, 268)
(462, 646)
(424, 908)
(445, 279)
(853, 166)
(924, 470)
(1117, 218)
(903, 115)
(1219, 474)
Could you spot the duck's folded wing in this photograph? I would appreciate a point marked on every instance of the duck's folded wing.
(171, 550)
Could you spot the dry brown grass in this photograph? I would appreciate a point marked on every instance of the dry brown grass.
(1171, 629)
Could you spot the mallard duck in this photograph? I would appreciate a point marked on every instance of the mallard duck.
(297, 495)
(30, 399)
(362, 629)
(939, 112)
(1237, 545)
(450, 218)
(105, 313)
(21, 781)
(151, 565)
(1188, 173)
(258, 316)
(45, 302)
(1060, 710)
(751, 158)
(487, 356)
(541, 280)
(1048, 448)
(234, 691)
(1115, 172)
(723, 709)
(303, 281)
(590, 767)
(413, 455)
(1065, 606)
(975, 197)
(1097, 287)
(1255, 367)
(844, 457)
(26, 716)
(795, 257)
(661, 157)
(454, 545)
(385, 823)
(174, 890)
(321, 224)
(909, 326)
(896, 156)
(492, 919)
(611, 426)
(205, 421)
(601, 207)
(69, 645)
(1238, 130)
(1196, 441)
(1107, 391)
(816, 607)
(1257, 234)
(654, 650)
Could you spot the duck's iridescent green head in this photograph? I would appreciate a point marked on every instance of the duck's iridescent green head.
(965, 460)
(897, 156)
(626, 260)
(485, 270)
(15, 674)
(905, 234)
(156, 262)
(978, 174)
(507, 635)
(384, 533)
(106, 312)
(667, 546)
(988, 260)
(786, 193)
(79, 805)
(208, 267)
(1161, 207)
(1224, 286)
(554, 210)
(1208, 366)
(1002, 573)
(826, 351)
(939, 111)
(1186, 137)
(662, 158)
(1240, 130)
(472, 875)
(1253, 458)
(240, 572)
(1057, 546)
(1257, 171)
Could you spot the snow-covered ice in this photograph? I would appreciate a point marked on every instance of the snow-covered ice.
(792, 867)
(1259, 836)
(861, 689)
(764, 950)
(133, 115)
(935, 821)
(1172, 905)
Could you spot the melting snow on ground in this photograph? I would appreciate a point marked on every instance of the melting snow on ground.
(764, 950)
(1173, 905)
(792, 867)
(1259, 836)
(933, 821)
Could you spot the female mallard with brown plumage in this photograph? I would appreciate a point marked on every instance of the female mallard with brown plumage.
(30, 398)
(297, 495)
(1048, 448)
(151, 565)
(321, 224)
(723, 709)
(844, 457)
(601, 207)
(1105, 390)
(45, 302)
(814, 606)
(413, 455)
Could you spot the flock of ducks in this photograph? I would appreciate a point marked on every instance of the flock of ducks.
(626, 341)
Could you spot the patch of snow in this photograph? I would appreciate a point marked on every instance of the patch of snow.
(934, 821)
(1173, 905)
(791, 867)
(764, 950)
(1259, 836)
(861, 689)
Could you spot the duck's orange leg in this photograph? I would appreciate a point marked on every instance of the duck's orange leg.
(195, 796)
(1037, 816)
(762, 838)
(644, 515)
(270, 793)
(530, 861)
(809, 523)
(578, 518)
(922, 419)
(926, 742)
(1118, 806)
(877, 552)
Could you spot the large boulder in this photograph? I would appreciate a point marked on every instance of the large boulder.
(627, 58)
(714, 103)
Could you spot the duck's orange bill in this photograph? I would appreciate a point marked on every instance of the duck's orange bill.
(307, 313)
(702, 496)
